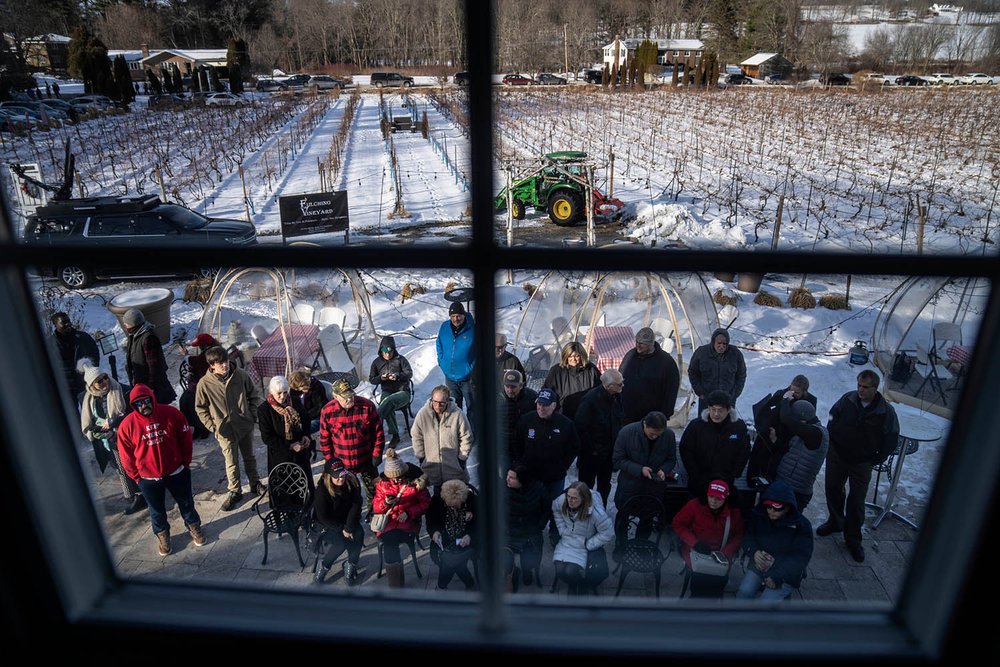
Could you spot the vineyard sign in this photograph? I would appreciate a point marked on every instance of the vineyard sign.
(315, 213)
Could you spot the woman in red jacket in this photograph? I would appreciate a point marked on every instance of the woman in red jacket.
(402, 496)
(701, 526)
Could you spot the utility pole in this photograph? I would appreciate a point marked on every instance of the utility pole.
(565, 50)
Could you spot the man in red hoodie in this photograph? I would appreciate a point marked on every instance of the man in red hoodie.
(154, 442)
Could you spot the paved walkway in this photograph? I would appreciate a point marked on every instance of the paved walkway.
(234, 549)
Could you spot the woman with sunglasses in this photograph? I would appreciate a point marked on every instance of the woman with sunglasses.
(103, 408)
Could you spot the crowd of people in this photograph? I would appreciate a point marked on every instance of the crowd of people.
(723, 492)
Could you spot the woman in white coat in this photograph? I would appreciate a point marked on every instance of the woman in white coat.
(584, 527)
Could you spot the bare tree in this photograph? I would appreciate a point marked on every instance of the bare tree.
(128, 26)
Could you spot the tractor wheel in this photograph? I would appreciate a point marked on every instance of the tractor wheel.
(517, 209)
(564, 208)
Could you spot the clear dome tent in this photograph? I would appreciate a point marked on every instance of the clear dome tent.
(283, 320)
(603, 312)
(924, 337)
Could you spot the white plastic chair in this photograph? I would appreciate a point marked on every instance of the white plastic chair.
(304, 313)
(931, 371)
(332, 315)
(259, 333)
(945, 332)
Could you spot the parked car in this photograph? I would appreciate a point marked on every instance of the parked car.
(224, 100)
(547, 79)
(834, 79)
(593, 76)
(777, 79)
(11, 121)
(270, 86)
(461, 78)
(36, 110)
(518, 80)
(941, 79)
(168, 101)
(296, 80)
(737, 80)
(391, 80)
(873, 79)
(95, 101)
(976, 79)
(143, 222)
(911, 80)
(324, 82)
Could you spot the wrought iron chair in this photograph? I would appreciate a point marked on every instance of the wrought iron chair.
(290, 502)
(639, 528)
(411, 542)
(405, 410)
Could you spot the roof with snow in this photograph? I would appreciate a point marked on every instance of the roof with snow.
(130, 56)
(758, 59)
(662, 44)
(194, 55)
(48, 39)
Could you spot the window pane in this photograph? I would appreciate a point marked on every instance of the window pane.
(800, 334)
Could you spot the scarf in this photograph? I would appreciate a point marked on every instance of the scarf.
(289, 413)
(117, 406)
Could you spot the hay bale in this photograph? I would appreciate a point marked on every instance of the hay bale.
(410, 290)
(449, 287)
(199, 289)
(834, 302)
(765, 298)
(801, 298)
(726, 297)
(531, 290)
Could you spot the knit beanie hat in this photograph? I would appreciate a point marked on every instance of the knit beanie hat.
(133, 317)
(803, 410)
(456, 308)
(394, 466)
(89, 370)
(646, 336)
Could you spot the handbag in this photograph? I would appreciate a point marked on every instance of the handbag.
(597, 567)
(377, 522)
(715, 563)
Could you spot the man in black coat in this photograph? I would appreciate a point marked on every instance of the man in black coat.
(864, 431)
(599, 418)
(73, 345)
(717, 365)
(505, 360)
(714, 446)
(545, 443)
(513, 400)
(651, 378)
(772, 435)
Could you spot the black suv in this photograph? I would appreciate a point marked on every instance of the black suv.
(391, 80)
(834, 79)
(143, 222)
(593, 76)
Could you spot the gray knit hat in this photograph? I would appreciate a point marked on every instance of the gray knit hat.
(803, 410)
(645, 335)
(133, 317)
(394, 466)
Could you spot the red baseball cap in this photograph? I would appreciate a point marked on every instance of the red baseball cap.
(203, 340)
(776, 504)
(718, 488)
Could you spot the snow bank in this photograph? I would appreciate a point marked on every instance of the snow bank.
(674, 222)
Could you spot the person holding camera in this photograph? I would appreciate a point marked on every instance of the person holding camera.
(709, 525)
(392, 372)
(807, 449)
(773, 435)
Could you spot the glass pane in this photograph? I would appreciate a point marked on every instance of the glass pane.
(803, 339)
(696, 142)
(337, 337)
(353, 135)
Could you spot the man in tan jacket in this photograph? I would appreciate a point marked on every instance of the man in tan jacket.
(226, 402)
(442, 438)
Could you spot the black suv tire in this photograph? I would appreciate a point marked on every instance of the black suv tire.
(75, 277)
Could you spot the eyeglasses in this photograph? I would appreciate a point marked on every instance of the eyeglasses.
(102, 379)
(142, 403)
(386, 349)
(439, 402)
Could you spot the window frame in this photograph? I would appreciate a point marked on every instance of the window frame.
(83, 589)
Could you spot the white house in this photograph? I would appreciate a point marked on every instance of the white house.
(667, 51)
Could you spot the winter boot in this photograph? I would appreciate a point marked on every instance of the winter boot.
(350, 573)
(320, 572)
(394, 573)
(197, 536)
(163, 542)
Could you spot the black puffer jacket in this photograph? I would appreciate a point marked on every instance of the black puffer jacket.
(312, 401)
(710, 370)
(396, 365)
(766, 455)
(651, 383)
(789, 539)
(571, 383)
(633, 452)
(546, 447)
(714, 451)
(527, 513)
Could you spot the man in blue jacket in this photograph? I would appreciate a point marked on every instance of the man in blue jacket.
(456, 355)
(779, 541)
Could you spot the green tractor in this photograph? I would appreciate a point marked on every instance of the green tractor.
(559, 186)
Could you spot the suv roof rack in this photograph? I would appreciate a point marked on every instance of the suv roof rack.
(106, 204)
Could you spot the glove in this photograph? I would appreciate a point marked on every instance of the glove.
(701, 548)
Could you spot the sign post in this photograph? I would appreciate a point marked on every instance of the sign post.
(313, 213)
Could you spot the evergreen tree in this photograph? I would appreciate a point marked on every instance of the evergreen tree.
(178, 81)
(88, 60)
(235, 79)
(154, 82)
(213, 79)
(645, 56)
(237, 61)
(123, 80)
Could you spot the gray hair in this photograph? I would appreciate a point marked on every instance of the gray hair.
(611, 376)
(278, 383)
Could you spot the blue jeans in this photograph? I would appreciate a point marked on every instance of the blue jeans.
(155, 492)
(462, 392)
(313, 426)
(750, 588)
